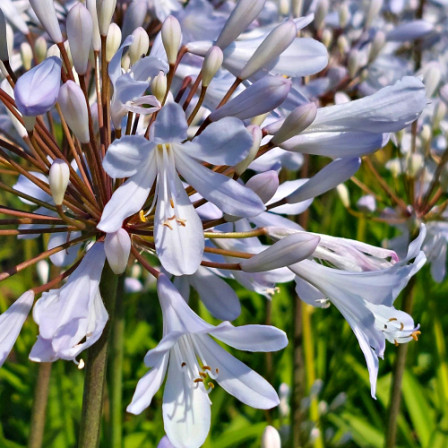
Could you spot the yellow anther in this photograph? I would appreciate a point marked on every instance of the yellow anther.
(415, 335)
(198, 380)
(167, 224)
(206, 368)
(141, 215)
(182, 222)
(392, 319)
(171, 202)
(401, 326)
(202, 375)
(396, 343)
(217, 370)
(211, 385)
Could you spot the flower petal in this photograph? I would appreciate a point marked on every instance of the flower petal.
(147, 387)
(236, 378)
(186, 409)
(128, 199)
(125, 156)
(230, 196)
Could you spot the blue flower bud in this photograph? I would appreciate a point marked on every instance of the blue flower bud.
(37, 90)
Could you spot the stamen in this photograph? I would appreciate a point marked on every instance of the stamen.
(392, 319)
(198, 380)
(172, 202)
(396, 343)
(415, 334)
(183, 364)
(167, 224)
(141, 215)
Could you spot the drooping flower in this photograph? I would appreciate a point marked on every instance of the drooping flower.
(73, 317)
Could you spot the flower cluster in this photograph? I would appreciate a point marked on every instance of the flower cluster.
(173, 138)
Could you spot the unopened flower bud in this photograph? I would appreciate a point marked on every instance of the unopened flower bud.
(4, 52)
(344, 15)
(275, 43)
(431, 78)
(260, 97)
(105, 11)
(327, 37)
(159, 86)
(283, 393)
(37, 89)
(46, 14)
(79, 34)
(298, 120)
(439, 114)
(414, 165)
(139, 46)
(58, 180)
(342, 44)
(367, 203)
(270, 438)
(113, 41)
(171, 38)
(43, 271)
(425, 133)
(53, 51)
(343, 194)
(242, 15)
(326, 179)
(74, 109)
(134, 16)
(96, 39)
(283, 7)
(26, 55)
(353, 62)
(377, 44)
(40, 48)
(289, 250)
(117, 246)
(257, 135)
(264, 184)
(212, 63)
(394, 166)
(373, 9)
(320, 14)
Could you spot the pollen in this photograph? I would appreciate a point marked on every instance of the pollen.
(141, 215)
(415, 335)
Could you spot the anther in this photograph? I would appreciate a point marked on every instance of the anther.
(182, 222)
(202, 375)
(401, 326)
(392, 319)
(206, 368)
(167, 224)
(415, 334)
(141, 215)
(183, 364)
(211, 385)
(396, 343)
(198, 380)
(171, 202)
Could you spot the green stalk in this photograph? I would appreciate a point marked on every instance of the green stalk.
(96, 369)
(397, 374)
(310, 369)
(38, 412)
(298, 380)
(116, 370)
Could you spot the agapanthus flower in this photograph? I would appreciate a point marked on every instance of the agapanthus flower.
(153, 168)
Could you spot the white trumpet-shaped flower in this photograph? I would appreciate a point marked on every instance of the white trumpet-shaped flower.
(193, 361)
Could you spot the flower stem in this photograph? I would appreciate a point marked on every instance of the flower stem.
(116, 370)
(397, 374)
(96, 369)
(39, 406)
